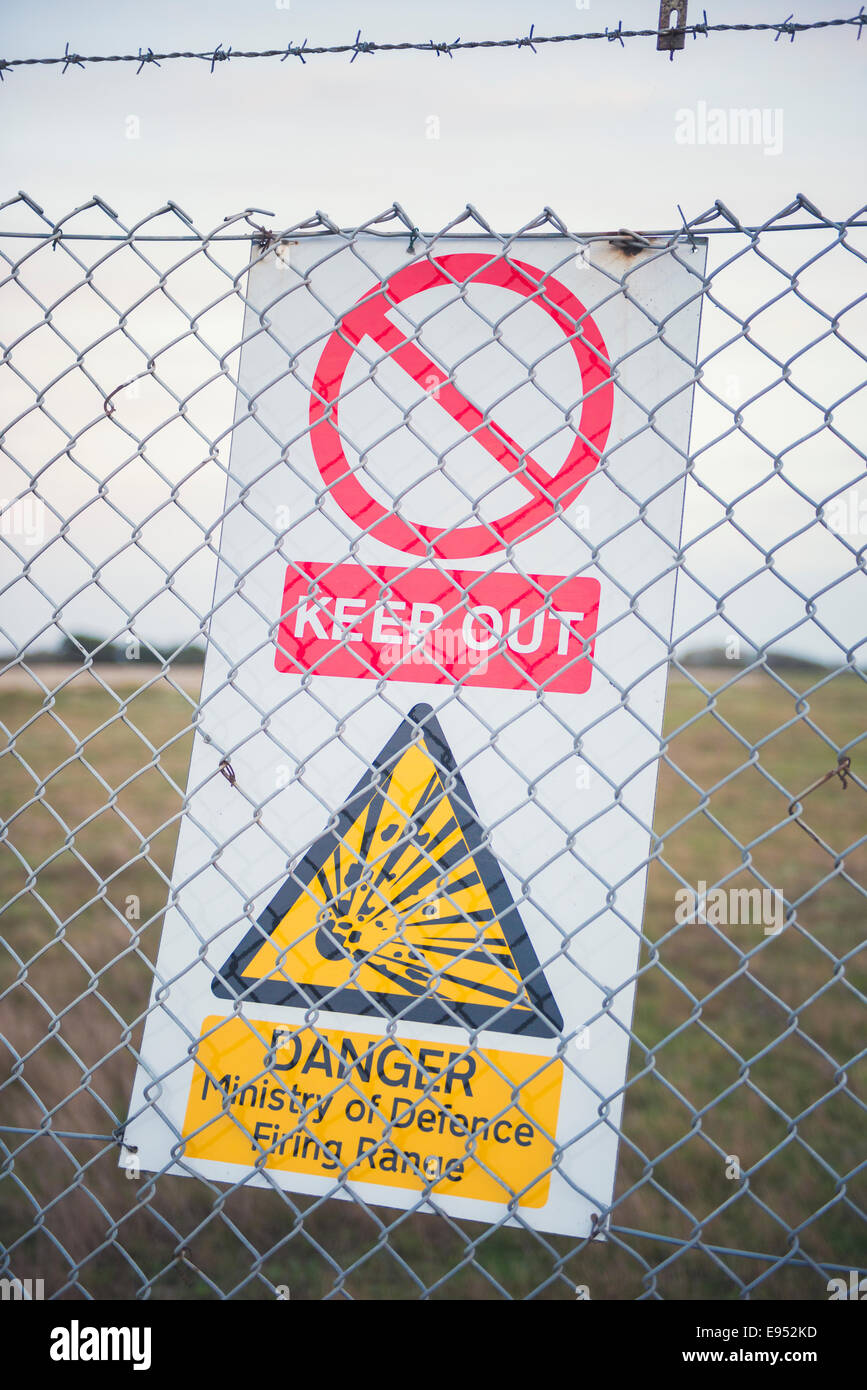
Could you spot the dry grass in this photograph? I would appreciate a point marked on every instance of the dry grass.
(756, 1060)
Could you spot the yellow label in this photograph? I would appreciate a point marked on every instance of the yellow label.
(335, 1103)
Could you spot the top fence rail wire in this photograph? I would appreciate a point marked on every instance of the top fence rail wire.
(546, 224)
(742, 1170)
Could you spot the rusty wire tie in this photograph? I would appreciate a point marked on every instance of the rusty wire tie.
(227, 771)
(842, 770)
(189, 1270)
(108, 404)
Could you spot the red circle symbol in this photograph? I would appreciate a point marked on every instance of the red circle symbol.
(547, 494)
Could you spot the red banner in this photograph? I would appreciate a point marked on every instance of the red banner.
(509, 631)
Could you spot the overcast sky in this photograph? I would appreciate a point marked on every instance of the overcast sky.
(589, 129)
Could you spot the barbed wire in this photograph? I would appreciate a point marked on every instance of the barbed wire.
(220, 54)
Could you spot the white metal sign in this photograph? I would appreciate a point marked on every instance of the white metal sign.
(400, 951)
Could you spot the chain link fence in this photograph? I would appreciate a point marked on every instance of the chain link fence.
(741, 1142)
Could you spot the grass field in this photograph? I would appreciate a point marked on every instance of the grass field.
(756, 1058)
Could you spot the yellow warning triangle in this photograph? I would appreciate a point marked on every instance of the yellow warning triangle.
(400, 910)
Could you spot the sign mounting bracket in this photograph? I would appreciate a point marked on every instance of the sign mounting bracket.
(671, 26)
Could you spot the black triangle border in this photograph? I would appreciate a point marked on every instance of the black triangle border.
(545, 1020)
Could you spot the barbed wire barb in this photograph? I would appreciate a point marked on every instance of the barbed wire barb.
(146, 58)
(292, 52)
(220, 55)
(71, 59)
(528, 41)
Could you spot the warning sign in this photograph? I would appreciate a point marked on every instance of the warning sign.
(400, 954)
(325, 1101)
(400, 910)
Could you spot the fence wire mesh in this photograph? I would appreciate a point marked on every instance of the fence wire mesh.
(741, 1163)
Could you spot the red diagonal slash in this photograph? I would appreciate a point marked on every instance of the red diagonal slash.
(372, 321)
